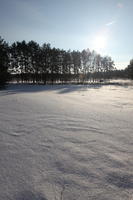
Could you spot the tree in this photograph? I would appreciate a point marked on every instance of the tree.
(34, 60)
(86, 60)
(45, 61)
(4, 62)
(129, 69)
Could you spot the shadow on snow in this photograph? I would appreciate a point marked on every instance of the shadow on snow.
(61, 89)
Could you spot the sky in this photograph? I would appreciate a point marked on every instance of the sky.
(103, 25)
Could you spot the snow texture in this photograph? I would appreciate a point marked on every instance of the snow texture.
(66, 142)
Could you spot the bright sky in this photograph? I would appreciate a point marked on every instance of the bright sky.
(103, 25)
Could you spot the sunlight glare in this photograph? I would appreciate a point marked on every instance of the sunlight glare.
(99, 42)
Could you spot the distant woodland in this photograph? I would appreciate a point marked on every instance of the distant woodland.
(24, 62)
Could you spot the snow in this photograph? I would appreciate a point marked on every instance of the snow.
(69, 142)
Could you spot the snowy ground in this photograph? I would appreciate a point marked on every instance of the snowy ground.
(74, 142)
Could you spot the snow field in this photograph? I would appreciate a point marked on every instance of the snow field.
(74, 142)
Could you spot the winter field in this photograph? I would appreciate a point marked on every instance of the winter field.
(68, 142)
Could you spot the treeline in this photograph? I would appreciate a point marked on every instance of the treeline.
(31, 63)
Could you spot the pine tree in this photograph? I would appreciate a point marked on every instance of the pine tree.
(129, 69)
(4, 62)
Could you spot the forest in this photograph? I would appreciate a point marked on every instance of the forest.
(28, 62)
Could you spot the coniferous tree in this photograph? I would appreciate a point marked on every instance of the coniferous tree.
(4, 62)
(34, 57)
(45, 62)
(129, 69)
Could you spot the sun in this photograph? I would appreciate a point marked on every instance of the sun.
(99, 42)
